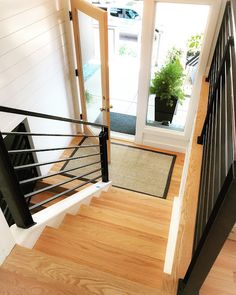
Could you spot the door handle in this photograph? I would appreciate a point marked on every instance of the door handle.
(103, 109)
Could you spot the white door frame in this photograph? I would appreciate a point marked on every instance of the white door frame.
(159, 137)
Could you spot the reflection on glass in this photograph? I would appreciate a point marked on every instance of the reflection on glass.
(178, 28)
(90, 51)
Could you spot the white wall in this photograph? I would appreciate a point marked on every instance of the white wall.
(34, 75)
(34, 67)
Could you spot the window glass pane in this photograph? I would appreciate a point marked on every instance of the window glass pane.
(91, 63)
(179, 30)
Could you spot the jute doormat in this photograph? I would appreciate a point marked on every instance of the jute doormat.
(131, 168)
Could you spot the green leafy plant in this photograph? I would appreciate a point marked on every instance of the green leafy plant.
(173, 55)
(194, 44)
(167, 83)
(125, 50)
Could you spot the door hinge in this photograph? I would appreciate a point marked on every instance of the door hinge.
(76, 73)
(81, 116)
(70, 15)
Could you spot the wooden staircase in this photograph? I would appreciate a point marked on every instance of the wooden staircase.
(114, 246)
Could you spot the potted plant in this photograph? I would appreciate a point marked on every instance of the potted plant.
(167, 85)
(194, 45)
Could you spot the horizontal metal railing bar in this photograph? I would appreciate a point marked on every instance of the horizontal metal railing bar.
(45, 134)
(193, 59)
(26, 181)
(45, 116)
(29, 195)
(51, 149)
(63, 193)
(5, 210)
(53, 162)
(226, 52)
(2, 202)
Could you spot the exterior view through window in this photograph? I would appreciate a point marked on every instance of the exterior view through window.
(178, 36)
(90, 53)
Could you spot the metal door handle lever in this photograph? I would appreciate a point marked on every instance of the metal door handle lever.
(103, 109)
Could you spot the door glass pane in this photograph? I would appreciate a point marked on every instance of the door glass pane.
(124, 36)
(179, 30)
(124, 28)
(91, 62)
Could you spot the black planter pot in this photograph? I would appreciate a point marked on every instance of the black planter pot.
(164, 113)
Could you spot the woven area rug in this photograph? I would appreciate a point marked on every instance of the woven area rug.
(131, 168)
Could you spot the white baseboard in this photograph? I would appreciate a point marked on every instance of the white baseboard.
(173, 234)
(165, 146)
(7, 240)
(54, 215)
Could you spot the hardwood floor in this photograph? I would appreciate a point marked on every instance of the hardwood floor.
(122, 236)
(107, 250)
(17, 283)
(222, 277)
(116, 245)
(144, 217)
(67, 153)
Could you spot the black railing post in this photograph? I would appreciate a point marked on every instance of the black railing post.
(11, 190)
(103, 137)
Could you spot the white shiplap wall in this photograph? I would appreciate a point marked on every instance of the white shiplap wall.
(34, 67)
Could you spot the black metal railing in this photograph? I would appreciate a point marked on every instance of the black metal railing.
(17, 202)
(193, 60)
(217, 194)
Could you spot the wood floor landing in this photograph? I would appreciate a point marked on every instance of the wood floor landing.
(114, 246)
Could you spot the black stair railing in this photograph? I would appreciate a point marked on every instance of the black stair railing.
(19, 206)
(217, 194)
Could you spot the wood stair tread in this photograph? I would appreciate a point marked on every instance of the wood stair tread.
(123, 210)
(34, 263)
(116, 236)
(125, 220)
(13, 283)
(148, 213)
(102, 257)
(136, 198)
(114, 246)
(160, 205)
